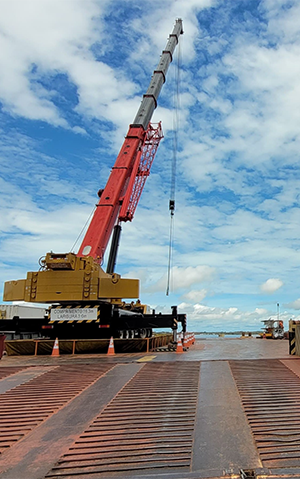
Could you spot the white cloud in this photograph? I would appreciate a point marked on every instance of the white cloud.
(250, 108)
(205, 318)
(195, 295)
(39, 40)
(261, 311)
(294, 304)
(162, 17)
(183, 278)
(283, 22)
(271, 285)
(42, 39)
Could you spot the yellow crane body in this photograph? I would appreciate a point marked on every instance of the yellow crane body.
(66, 278)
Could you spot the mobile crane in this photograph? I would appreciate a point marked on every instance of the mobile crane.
(273, 329)
(87, 302)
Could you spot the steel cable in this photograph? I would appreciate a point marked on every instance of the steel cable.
(81, 232)
(176, 107)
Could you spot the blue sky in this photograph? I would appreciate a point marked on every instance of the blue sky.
(72, 77)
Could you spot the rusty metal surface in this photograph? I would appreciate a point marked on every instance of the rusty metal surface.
(293, 364)
(149, 425)
(7, 371)
(286, 473)
(28, 361)
(159, 423)
(37, 453)
(27, 405)
(270, 394)
(223, 438)
(22, 377)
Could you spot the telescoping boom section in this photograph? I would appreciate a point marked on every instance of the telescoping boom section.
(72, 280)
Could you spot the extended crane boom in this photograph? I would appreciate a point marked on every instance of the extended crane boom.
(120, 196)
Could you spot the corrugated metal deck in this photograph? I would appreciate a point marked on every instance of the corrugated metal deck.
(24, 407)
(165, 415)
(270, 394)
(148, 425)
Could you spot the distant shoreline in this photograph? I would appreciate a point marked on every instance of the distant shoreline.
(231, 333)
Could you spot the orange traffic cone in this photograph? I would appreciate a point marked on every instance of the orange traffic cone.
(55, 350)
(111, 348)
(179, 348)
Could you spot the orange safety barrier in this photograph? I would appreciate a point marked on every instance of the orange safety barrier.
(189, 339)
(43, 346)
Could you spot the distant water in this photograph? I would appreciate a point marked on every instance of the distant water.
(218, 336)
